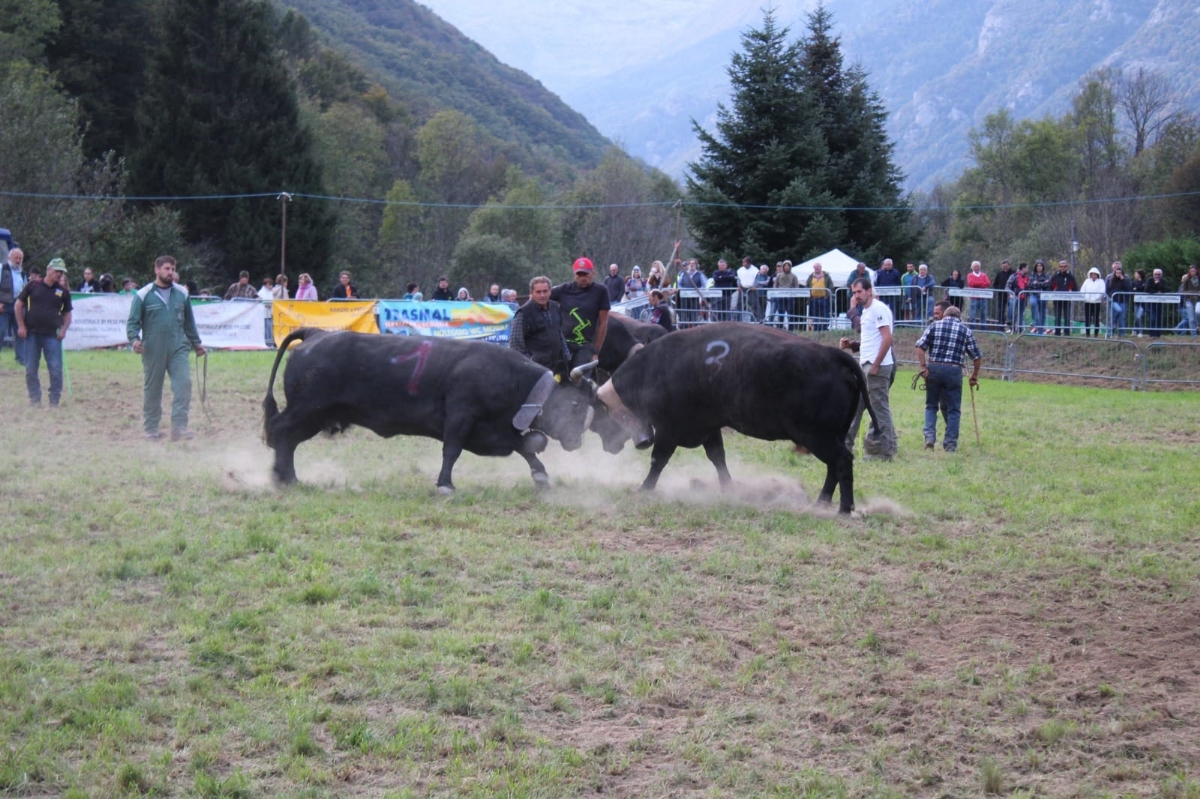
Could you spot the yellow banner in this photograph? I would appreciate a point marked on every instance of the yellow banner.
(289, 315)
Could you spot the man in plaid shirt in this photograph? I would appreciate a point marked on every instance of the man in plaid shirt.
(940, 350)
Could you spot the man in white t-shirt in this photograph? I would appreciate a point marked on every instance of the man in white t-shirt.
(745, 278)
(875, 356)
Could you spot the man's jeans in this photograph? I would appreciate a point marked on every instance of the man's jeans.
(35, 347)
(944, 382)
(1037, 310)
(8, 328)
(978, 311)
(1116, 318)
(1188, 322)
(878, 387)
(818, 311)
(1016, 312)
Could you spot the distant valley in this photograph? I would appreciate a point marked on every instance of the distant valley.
(639, 73)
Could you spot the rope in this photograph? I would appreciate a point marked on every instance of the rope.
(202, 379)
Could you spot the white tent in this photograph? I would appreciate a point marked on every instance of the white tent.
(834, 263)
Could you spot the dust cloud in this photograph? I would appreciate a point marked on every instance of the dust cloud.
(586, 478)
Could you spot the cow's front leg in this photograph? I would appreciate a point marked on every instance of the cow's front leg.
(714, 448)
(659, 457)
(450, 453)
(454, 433)
(540, 478)
(288, 431)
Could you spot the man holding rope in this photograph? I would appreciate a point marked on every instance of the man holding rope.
(944, 344)
(163, 316)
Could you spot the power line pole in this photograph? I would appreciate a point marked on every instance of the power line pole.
(284, 198)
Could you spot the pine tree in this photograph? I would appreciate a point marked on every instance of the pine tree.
(860, 172)
(801, 148)
(219, 117)
(98, 55)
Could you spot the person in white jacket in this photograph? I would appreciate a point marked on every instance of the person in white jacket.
(1093, 293)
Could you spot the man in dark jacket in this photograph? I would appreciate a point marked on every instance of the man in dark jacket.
(1118, 287)
(1000, 283)
(536, 329)
(1157, 284)
(344, 290)
(442, 292)
(12, 280)
(1063, 280)
(661, 313)
(887, 277)
(614, 284)
(724, 279)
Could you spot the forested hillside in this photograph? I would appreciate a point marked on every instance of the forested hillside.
(428, 65)
(129, 128)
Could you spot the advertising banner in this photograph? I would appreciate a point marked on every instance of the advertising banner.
(446, 319)
(97, 320)
(231, 325)
(290, 315)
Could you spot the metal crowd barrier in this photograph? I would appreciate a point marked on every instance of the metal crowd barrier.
(1096, 360)
(1152, 315)
(1171, 364)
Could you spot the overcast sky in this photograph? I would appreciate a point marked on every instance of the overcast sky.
(564, 42)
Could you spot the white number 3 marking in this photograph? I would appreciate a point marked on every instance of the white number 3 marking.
(715, 360)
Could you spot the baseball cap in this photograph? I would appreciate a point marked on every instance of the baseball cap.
(583, 265)
(57, 265)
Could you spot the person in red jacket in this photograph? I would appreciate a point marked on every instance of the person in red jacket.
(976, 279)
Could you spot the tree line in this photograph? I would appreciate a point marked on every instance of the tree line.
(1116, 174)
(235, 101)
(137, 99)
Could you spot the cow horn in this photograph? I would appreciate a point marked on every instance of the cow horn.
(578, 373)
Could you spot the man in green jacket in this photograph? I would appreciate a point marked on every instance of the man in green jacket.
(163, 316)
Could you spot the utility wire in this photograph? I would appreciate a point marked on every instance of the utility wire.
(596, 206)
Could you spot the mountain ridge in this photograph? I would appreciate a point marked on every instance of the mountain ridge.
(428, 64)
(940, 67)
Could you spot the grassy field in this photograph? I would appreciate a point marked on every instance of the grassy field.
(1021, 621)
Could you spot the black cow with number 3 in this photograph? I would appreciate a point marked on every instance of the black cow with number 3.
(765, 383)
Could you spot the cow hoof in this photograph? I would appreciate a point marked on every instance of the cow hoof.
(541, 480)
(446, 491)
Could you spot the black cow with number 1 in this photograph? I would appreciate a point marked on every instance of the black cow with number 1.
(470, 395)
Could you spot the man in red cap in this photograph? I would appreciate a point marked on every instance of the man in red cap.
(585, 307)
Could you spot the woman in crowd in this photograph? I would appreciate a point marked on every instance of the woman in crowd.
(1093, 293)
(463, 294)
(955, 281)
(635, 287)
(280, 290)
(1039, 281)
(1138, 286)
(656, 278)
(306, 290)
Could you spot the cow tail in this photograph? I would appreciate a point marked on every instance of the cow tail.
(861, 378)
(270, 407)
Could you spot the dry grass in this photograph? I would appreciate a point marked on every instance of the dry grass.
(1018, 621)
